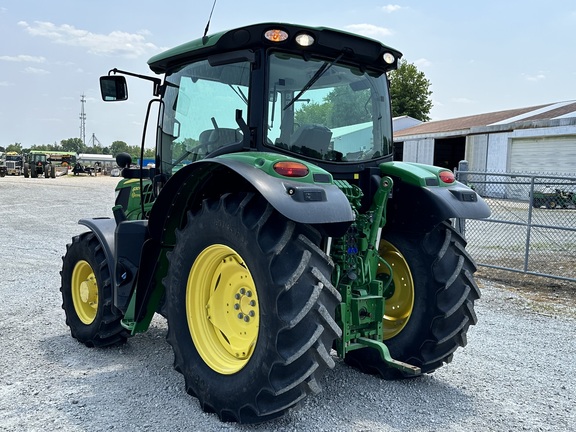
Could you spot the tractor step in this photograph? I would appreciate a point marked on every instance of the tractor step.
(385, 353)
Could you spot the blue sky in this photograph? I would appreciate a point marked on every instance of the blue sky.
(480, 56)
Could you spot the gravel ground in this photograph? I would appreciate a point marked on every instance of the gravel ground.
(517, 372)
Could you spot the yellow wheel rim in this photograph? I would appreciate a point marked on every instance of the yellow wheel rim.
(398, 308)
(222, 309)
(84, 292)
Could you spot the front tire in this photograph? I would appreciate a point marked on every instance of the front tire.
(87, 294)
(428, 316)
(250, 309)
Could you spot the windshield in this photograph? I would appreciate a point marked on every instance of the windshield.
(199, 115)
(328, 111)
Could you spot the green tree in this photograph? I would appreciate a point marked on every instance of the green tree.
(410, 92)
(119, 147)
(341, 107)
(16, 147)
(313, 113)
(73, 145)
(348, 107)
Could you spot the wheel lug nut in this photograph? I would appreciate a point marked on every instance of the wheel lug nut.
(242, 291)
(251, 313)
(252, 303)
(237, 306)
(237, 296)
(246, 318)
(240, 315)
(249, 293)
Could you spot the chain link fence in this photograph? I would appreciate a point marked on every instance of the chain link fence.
(532, 228)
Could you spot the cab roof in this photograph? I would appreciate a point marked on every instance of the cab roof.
(328, 42)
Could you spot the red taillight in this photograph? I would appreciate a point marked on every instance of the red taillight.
(291, 169)
(447, 176)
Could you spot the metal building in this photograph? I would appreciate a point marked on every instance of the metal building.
(538, 139)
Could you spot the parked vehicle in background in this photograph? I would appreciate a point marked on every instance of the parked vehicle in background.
(48, 163)
(552, 198)
(36, 164)
(14, 163)
(2, 165)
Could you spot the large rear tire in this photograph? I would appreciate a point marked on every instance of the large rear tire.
(250, 309)
(87, 294)
(427, 317)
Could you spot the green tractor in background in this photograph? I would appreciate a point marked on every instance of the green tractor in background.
(274, 226)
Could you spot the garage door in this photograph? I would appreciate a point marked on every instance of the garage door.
(550, 155)
(555, 156)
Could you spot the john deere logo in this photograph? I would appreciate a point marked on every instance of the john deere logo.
(136, 192)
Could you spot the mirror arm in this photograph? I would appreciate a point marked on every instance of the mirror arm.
(156, 81)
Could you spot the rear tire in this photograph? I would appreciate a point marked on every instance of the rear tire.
(250, 309)
(87, 294)
(444, 292)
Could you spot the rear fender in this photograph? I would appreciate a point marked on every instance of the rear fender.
(321, 204)
(420, 200)
(104, 229)
(122, 246)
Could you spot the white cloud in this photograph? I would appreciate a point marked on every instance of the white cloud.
(422, 63)
(391, 8)
(116, 43)
(5, 84)
(369, 30)
(538, 77)
(463, 100)
(23, 58)
(36, 71)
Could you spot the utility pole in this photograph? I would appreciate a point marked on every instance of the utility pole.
(83, 121)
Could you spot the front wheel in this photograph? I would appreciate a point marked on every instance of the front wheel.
(250, 309)
(87, 294)
(431, 307)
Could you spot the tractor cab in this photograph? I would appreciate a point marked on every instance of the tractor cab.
(310, 93)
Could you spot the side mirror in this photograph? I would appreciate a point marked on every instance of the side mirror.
(113, 88)
(123, 160)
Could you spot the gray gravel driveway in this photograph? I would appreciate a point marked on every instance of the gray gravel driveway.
(517, 373)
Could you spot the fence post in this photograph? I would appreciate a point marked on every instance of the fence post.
(529, 224)
(462, 177)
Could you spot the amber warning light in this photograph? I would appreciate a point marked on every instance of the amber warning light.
(291, 169)
(276, 35)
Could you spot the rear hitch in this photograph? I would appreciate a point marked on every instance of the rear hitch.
(385, 353)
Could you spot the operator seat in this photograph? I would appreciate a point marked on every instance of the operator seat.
(216, 138)
(312, 136)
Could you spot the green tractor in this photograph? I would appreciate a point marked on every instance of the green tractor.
(274, 226)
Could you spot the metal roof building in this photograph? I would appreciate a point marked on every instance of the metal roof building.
(537, 139)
